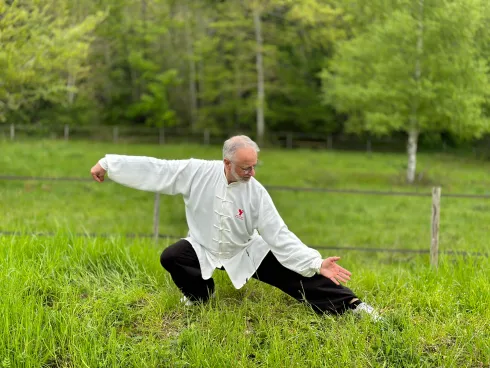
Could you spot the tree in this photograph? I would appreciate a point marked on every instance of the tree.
(225, 52)
(257, 16)
(306, 33)
(40, 50)
(418, 70)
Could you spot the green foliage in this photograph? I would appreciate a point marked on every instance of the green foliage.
(305, 34)
(192, 64)
(153, 104)
(373, 77)
(226, 76)
(41, 49)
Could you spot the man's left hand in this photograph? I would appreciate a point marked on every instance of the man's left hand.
(333, 271)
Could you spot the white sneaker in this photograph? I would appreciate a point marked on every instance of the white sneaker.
(366, 308)
(188, 303)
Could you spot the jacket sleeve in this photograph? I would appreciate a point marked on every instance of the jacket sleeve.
(151, 174)
(291, 252)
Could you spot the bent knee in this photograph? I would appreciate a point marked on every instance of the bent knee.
(167, 258)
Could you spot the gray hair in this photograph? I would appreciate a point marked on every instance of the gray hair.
(234, 143)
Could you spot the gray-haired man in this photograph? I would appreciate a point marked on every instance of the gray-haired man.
(233, 225)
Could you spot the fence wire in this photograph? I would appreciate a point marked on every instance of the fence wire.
(175, 237)
(277, 188)
(272, 188)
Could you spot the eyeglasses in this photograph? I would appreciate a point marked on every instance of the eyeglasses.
(248, 169)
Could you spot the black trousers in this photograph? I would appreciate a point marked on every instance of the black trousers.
(322, 294)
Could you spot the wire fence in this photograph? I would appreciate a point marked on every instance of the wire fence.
(283, 139)
(175, 237)
(276, 188)
(157, 235)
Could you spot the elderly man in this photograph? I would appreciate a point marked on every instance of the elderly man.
(233, 225)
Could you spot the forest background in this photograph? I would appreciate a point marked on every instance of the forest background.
(413, 70)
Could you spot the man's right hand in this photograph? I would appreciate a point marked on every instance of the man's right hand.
(98, 173)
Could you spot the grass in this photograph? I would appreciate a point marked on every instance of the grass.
(343, 220)
(77, 302)
(71, 301)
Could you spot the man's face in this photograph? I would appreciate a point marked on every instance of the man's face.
(242, 167)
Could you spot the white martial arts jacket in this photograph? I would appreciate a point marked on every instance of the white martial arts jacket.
(224, 220)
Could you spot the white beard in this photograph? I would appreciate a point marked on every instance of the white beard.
(236, 176)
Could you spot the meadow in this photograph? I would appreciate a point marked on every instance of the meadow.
(71, 301)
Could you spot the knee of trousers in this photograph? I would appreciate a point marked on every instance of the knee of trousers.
(167, 259)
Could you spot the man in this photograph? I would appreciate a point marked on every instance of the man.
(233, 225)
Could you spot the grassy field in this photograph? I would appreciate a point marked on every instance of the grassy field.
(69, 301)
(333, 219)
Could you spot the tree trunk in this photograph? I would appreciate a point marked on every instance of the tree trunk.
(260, 76)
(200, 70)
(412, 155)
(413, 132)
(192, 69)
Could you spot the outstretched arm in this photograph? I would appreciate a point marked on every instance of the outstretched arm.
(148, 173)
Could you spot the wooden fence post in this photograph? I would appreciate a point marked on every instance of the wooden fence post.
(115, 134)
(67, 132)
(206, 137)
(12, 132)
(436, 211)
(156, 217)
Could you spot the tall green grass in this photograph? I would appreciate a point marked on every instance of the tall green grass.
(81, 302)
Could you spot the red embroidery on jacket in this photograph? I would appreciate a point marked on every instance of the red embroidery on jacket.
(240, 214)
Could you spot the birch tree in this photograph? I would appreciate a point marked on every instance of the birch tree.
(419, 70)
